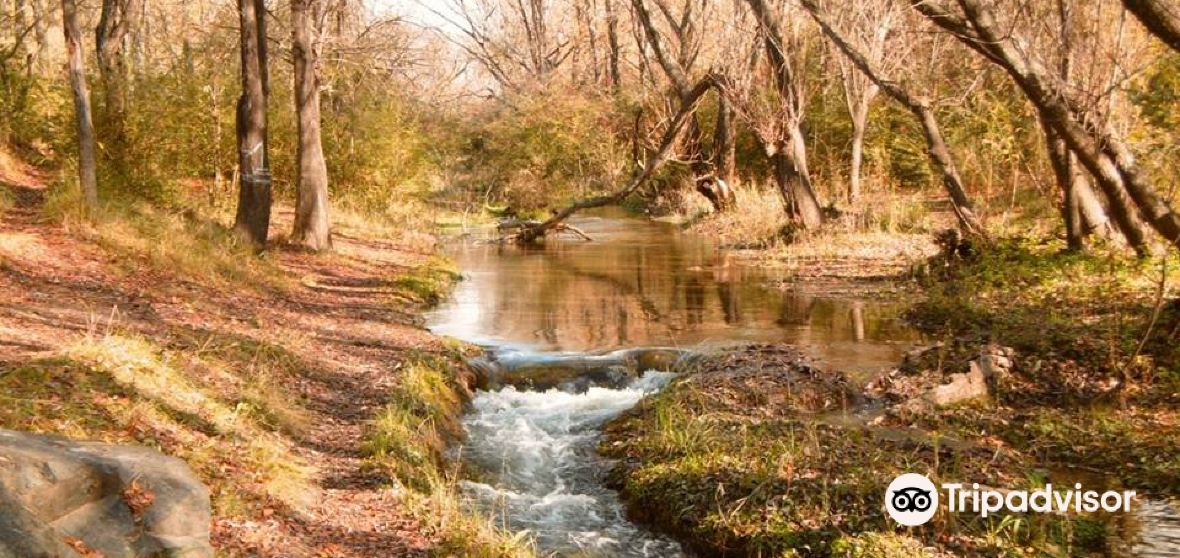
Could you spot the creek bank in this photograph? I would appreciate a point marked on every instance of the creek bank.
(756, 451)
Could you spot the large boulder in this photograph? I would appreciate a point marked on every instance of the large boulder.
(64, 498)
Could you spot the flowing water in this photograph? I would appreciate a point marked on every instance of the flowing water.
(573, 305)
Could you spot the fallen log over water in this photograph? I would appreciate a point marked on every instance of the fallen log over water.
(688, 105)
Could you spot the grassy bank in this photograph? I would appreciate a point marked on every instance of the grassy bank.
(750, 455)
(299, 387)
(1095, 382)
(885, 238)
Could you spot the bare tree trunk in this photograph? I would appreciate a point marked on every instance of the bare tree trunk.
(860, 121)
(1160, 17)
(254, 195)
(940, 154)
(706, 183)
(110, 33)
(725, 142)
(1095, 221)
(790, 153)
(311, 211)
(794, 185)
(1060, 157)
(87, 166)
(612, 37)
(1071, 206)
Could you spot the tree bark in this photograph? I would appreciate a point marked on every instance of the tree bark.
(1161, 18)
(87, 165)
(859, 93)
(1071, 207)
(940, 155)
(1095, 221)
(254, 195)
(936, 148)
(312, 226)
(860, 121)
(725, 142)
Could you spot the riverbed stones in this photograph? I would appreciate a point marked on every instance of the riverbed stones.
(65, 498)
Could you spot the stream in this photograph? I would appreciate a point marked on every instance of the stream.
(531, 452)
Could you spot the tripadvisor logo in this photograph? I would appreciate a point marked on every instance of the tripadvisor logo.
(912, 500)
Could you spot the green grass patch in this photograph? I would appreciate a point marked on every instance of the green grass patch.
(428, 283)
(1093, 308)
(739, 482)
(1096, 379)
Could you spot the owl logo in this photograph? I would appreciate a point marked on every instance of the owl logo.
(911, 499)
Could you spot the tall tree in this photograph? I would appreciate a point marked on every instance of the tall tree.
(311, 210)
(612, 39)
(87, 166)
(254, 194)
(110, 35)
(875, 17)
(1081, 211)
(784, 142)
(676, 69)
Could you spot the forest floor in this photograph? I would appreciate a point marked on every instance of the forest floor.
(283, 380)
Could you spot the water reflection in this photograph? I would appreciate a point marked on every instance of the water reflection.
(643, 283)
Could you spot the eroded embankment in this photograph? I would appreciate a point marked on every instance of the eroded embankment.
(757, 452)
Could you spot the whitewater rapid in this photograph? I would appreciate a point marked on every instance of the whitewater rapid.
(542, 473)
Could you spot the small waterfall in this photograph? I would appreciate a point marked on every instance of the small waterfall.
(543, 474)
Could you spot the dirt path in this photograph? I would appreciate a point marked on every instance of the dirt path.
(57, 286)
